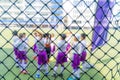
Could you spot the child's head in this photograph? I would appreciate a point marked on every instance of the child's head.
(47, 35)
(76, 37)
(52, 35)
(83, 36)
(24, 35)
(63, 36)
(44, 35)
(35, 34)
(15, 33)
(40, 35)
(21, 36)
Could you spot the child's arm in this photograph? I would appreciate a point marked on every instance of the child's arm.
(26, 46)
(17, 44)
(80, 49)
(37, 47)
(89, 46)
(69, 49)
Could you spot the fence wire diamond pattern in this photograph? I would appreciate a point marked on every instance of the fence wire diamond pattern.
(36, 36)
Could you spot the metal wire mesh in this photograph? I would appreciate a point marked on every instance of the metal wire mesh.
(57, 17)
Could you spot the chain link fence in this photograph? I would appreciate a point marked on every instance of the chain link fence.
(38, 35)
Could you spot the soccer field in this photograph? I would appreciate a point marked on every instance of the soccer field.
(106, 60)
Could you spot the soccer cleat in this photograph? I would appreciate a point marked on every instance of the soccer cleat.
(71, 78)
(24, 72)
(37, 75)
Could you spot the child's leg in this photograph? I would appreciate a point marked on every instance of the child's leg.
(21, 65)
(78, 73)
(38, 68)
(46, 68)
(42, 68)
(73, 73)
(86, 65)
(16, 60)
(83, 59)
(35, 56)
(24, 64)
(75, 64)
(55, 69)
(38, 71)
(62, 68)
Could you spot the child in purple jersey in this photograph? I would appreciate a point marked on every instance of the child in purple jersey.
(22, 50)
(61, 57)
(42, 56)
(15, 39)
(76, 57)
(83, 51)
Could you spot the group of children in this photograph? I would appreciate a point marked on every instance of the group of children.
(44, 46)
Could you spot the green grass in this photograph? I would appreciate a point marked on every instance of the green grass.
(9, 64)
(104, 67)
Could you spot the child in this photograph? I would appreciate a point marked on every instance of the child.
(76, 57)
(42, 56)
(47, 40)
(83, 50)
(52, 44)
(36, 36)
(22, 47)
(61, 57)
(15, 39)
